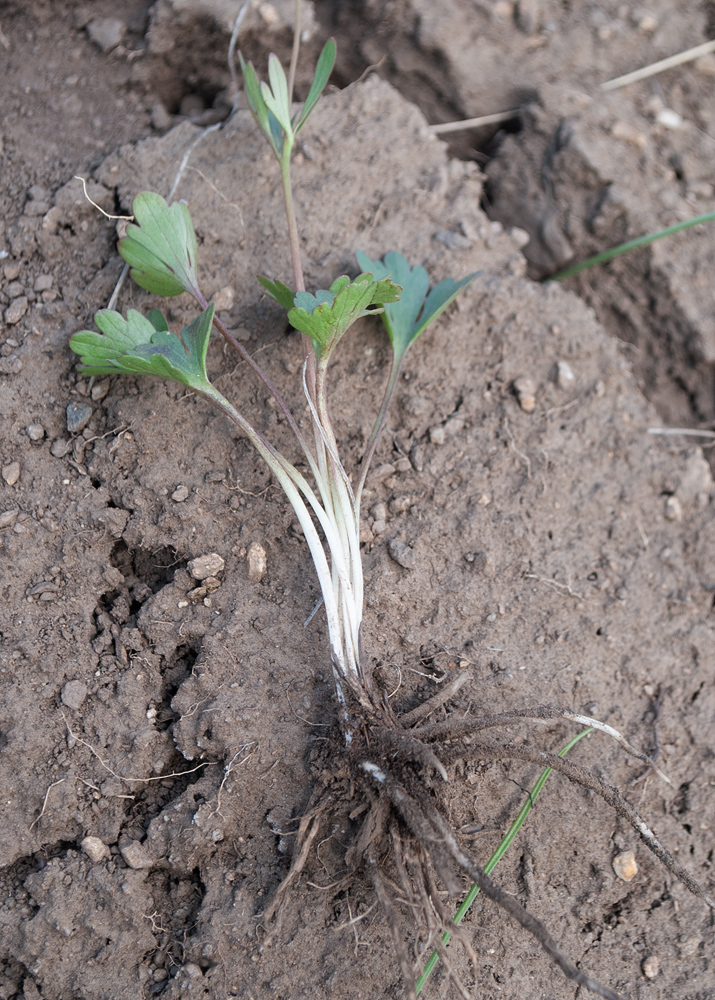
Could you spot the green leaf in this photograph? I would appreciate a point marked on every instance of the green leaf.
(405, 320)
(264, 117)
(325, 316)
(282, 294)
(161, 248)
(276, 95)
(157, 320)
(255, 100)
(323, 69)
(136, 346)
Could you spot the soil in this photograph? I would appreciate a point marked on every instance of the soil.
(559, 553)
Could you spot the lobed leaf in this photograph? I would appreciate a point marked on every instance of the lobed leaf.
(325, 316)
(141, 345)
(405, 320)
(323, 69)
(161, 247)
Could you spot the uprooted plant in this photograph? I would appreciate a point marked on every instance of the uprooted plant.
(396, 762)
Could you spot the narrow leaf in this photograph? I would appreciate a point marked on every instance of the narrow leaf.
(281, 293)
(161, 248)
(323, 69)
(275, 134)
(255, 100)
(280, 101)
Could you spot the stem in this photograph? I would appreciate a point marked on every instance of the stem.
(639, 241)
(341, 611)
(378, 428)
(294, 53)
(294, 242)
(238, 346)
(293, 238)
(497, 856)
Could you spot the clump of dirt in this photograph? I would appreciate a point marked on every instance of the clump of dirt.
(559, 554)
(575, 178)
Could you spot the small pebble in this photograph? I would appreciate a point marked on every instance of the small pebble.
(106, 32)
(401, 553)
(78, 416)
(381, 472)
(15, 289)
(673, 509)
(398, 505)
(15, 311)
(43, 283)
(60, 447)
(625, 867)
(437, 435)
(44, 587)
(161, 120)
(379, 511)
(206, 567)
(689, 947)
(519, 237)
(417, 458)
(269, 14)
(223, 299)
(95, 849)
(135, 854)
(192, 970)
(452, 240)
(669, 119)
(100, 390)
(35, 432)
(11, 473)
(564, 375)
(111, 575)
(180, 494)
(7, 518)
(73, 694)
(651, 966)
(11, 272)
(525, 389)
(257, 561)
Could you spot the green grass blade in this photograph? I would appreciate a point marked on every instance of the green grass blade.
(323, 69)
(640, 241)
(497, 856)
